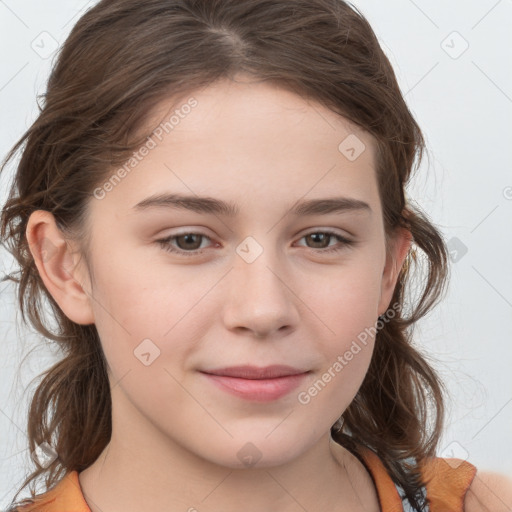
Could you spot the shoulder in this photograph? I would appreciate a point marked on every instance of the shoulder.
(64, 495)
(489, 491)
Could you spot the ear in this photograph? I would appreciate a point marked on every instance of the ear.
(57, 265)
(399, 246)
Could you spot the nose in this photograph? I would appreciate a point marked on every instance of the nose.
(261, 298)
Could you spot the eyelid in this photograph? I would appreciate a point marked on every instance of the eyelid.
(334, 231)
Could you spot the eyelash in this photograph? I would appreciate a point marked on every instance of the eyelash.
(165, 243)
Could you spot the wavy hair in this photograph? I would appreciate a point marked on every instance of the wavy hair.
(124, 56)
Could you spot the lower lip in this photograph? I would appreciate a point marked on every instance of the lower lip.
(259, 390)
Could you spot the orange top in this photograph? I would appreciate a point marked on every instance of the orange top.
(447, 480)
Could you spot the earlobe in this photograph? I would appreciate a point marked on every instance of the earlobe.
(55, 262)
(399, 248)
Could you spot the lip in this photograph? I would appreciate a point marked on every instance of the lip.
(257, 384)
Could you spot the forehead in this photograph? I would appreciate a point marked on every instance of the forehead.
(249, 107)
(249, 138)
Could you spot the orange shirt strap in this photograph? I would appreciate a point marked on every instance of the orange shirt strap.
(446, 480)
(387, 492)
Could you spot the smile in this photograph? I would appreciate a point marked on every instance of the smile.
(257, 384)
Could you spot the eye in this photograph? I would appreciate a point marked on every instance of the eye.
(186, 241)
(189, 244)
(320, 237)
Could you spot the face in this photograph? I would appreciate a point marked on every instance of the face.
(284, 264)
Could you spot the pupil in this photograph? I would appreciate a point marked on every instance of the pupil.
(319, 235)
(190, 238)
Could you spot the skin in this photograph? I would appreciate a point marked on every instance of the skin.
(176, 438)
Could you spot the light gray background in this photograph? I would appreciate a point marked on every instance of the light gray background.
(462, 99)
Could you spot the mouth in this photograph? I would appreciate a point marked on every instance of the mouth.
(257, 384)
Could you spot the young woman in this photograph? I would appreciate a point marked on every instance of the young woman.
(269, 365)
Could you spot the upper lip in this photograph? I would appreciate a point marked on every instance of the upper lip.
(254, 372)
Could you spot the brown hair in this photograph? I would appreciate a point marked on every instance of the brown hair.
(121, 58)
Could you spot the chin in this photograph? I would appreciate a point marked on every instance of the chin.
(257, 451)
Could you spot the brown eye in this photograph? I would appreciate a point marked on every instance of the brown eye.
(188, 241)
(188, 244)
(321, 239)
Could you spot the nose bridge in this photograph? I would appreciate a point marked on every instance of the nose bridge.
(258, 267)
(262, 300)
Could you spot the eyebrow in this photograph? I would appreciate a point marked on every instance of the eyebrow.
(210, 205)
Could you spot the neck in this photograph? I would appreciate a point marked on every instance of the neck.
(131, 476)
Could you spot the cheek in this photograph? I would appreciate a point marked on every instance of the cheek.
(149, 314)
(349, 318)
(345, 300)
(346, 310)
(331, 390)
